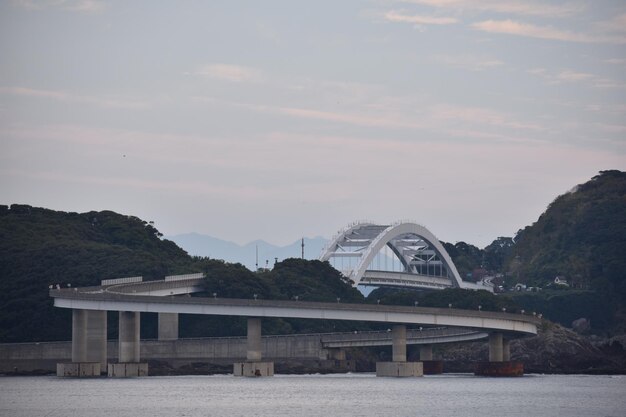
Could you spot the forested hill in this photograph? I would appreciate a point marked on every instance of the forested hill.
(40, 247)
(581, 237)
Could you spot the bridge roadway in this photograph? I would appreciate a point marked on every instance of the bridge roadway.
(91, 303)
(93, 299)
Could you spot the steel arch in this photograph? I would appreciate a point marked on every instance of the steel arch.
(379, 236)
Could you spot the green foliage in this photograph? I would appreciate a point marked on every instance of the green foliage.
(228, 280)
(40, 247)
(581, 236)
(566, 306)
(497, 252)
(466, 258)
(312, 281)
(458, 298)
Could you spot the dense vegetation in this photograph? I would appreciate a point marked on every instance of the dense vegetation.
(581, 236)
(40, 247)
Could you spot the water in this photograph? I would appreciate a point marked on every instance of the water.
(315, 395)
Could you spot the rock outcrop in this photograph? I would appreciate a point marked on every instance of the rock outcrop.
(555, 349)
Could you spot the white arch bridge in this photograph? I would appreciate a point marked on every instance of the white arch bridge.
(403, 254)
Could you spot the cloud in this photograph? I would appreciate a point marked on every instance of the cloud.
(233, 73)
(616, 24)
(507, 7)
(573, 76)
(71, 97)
(511, 27)
(394, 16)
(356, 119)
(478, 116)
(468, 62)
(80, 6)
(570, 76)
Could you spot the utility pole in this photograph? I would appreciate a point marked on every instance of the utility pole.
(257, 259)
(302, 248)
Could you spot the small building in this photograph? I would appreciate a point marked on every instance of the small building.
(561, 281)
(520, 287)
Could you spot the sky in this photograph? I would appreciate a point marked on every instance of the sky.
(280, 119)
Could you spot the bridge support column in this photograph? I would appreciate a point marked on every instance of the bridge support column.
(506, 350)
(500, 363)
(253, 365)
(96, 336)
(431, 367)
(495, 347)
(79, 335)
(168, 326)
(398, 340)
(337, 354)
(128, 356)
(426, 353)
(399, 367)
(85, 362)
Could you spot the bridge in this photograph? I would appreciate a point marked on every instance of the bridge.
(132, 296)
(403, 254)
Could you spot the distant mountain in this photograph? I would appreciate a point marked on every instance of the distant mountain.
(203, 245)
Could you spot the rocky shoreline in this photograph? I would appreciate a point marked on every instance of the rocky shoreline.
(555, 350)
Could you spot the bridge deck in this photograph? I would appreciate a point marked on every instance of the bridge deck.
(119, 299)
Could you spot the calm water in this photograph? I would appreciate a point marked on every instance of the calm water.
(315, 395)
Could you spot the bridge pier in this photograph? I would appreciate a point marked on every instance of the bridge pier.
(89, 351)
(430, 366)
(426, 352)
(253, 366)
(96, 338)
(168, 326)
(128, 347)
(337, 354)
(399, 367)
(500, 363)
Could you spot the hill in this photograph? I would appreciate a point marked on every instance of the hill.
(581, 237)
(40, 247)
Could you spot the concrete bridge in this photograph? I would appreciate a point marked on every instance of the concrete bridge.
(131, 297)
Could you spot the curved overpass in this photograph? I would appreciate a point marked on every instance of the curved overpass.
(152, 296)
(89, 324)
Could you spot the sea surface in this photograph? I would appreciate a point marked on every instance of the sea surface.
(315, 395)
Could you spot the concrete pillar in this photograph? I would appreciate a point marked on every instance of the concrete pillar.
(398, 337)
(495, 347)
(506, 350)
(426, 352)
(129, 336)
(79, 335)
(168, 326)
(337, 354)
(254, 339)
(97, 337)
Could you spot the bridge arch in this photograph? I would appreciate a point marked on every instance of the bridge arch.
(410, 242)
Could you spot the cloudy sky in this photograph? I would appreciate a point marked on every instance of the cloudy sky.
(279, 119)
